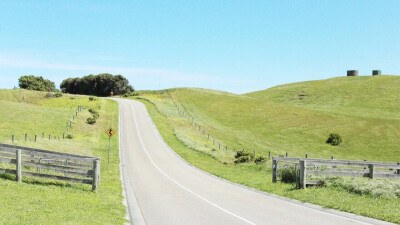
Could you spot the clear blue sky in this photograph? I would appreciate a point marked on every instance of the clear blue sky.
(237, 46)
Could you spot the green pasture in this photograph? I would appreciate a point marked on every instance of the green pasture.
(40, 201)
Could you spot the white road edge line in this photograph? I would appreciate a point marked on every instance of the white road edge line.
(180, 185)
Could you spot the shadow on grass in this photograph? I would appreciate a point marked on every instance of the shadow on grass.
(29, 180)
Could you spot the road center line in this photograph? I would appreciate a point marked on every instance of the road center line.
(177, 183)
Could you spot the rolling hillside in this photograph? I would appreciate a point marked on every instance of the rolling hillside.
(297, 118)
(294, 118)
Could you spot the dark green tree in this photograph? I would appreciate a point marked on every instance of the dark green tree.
(99, 85)
(31, 82)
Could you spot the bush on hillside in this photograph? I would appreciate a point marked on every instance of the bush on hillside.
(31, 82)
(334, 139)
(99, 85)
(58, 94)
(243, 156)
(288, 174)
(91, 98)
(69, 136)
(260, 159)
(133, 93)
(94, 113)
(91, 120)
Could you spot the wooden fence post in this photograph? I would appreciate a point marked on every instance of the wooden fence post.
(13, 138)
(371, 171)
(306, 156)
(287, 154)
(269, 155)
(303, 174)
(274, 169)
(219, 146)
(42, 135)
(49, 137)
(66, 164)
(96, 175)
(19, 165)
(398, 170)
(332, 157)
(35, 137)
(208, 136)
(26, 137)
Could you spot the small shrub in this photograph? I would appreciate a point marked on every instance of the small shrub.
(243, 156)
(260, 159)
(243, 159)
(58, 94)
(69, 136)
(94, 113)
(334, 139)
(91, 120)
(133, 93)
(91, 98)
(288, 174)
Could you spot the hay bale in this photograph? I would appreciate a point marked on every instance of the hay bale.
(352, 73)
(376, 72)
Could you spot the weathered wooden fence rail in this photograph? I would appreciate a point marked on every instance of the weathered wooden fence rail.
(50, 165)
(333, 167)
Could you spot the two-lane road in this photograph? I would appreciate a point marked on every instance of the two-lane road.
(170, 191)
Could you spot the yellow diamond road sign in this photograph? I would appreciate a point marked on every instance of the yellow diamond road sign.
(110, 132)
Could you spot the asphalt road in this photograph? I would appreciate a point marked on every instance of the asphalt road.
(161, 188)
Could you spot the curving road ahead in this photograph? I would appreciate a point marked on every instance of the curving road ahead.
(161, 188)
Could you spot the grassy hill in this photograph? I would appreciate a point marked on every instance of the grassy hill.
(371, 97)
(297, 118)
(52, 202)
(294, 118)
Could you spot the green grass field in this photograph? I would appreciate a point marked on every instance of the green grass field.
(295, 118)
(40, 201)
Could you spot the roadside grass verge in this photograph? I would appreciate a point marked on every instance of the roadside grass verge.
(42, 201)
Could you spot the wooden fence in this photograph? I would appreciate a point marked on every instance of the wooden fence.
(333, 167)
(51, 165)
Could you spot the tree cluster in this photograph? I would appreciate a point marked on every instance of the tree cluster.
(99, 85)
(31, 82)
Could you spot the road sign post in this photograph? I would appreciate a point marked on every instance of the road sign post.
(110, 132)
